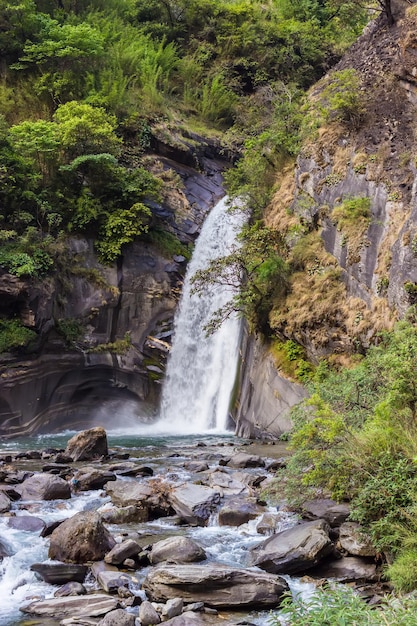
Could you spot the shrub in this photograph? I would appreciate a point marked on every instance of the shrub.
(14, 335)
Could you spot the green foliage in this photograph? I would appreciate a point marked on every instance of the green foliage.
(14, 336)
(120, 346)
(168, 244)
(342, 99)
(351, 210)
(342, 606)
(121, 228)
(34, 263)
(71, 329)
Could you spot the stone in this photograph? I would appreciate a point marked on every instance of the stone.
(119, 617)
(91, 478)
(108, 577)
(216, 585)
(81, 538)
(324, 508)
(71, 588)
(187, 619)
(176, 550)
(196, 466)
(5, 549)
(195, 503)
(267, 524)
(5, 502)
(88, 445)
(124, 514)
(44, 487)
(239, 511)
(125, 493)
(242, 460)
(60, 573)
(122, 551)
(172, 608)
(148, 615)
(347, 569)
(294, 550)
(355, 540)
(93, 605)
(28, 523)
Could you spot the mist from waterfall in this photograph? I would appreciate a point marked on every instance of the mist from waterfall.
(201, 369)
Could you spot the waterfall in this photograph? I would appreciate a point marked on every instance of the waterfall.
(201, 369)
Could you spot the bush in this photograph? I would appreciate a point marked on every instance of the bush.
(14, 335)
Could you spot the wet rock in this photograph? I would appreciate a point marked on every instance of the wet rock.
(176, 550)
(354, 540)
(27, 523)
(346, 569)
(128, 493)
(243, 460)
(81, 538)
(124, 515)
(196, 466)
(226, 483)
(239, 511)
(70, 589)
(88, 445)
(119, 617)
(294, 550)
(44, 487)
(131, 469)
(62, 459)
(194, 503)
(122, 551)
(217, 585)
(60, 573)
(91, 478)
(5, 502)
(93, 605)
(267, 524)
(333, 512)
(5, 549)
(108, 577)
(50, 527)
(148, 615)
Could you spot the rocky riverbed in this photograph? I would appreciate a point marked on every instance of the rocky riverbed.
(115, 537)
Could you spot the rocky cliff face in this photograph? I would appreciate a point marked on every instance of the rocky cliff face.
(102, 332)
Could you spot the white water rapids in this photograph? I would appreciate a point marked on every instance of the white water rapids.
(201, 369)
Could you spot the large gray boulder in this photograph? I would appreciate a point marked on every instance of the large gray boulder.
(80, 538)
(194, 503)
(5, 502)
(91, 478)
(237, 511)
(214, 584)
(44, 487)
(109, 577)
(176, 550)
(93, 605)
(122, 551)
(148, 615)
(294, 550)
(348, 569)
(335, 513)
(125, 493)
(188, 618)
(88, 445)
(242, 460)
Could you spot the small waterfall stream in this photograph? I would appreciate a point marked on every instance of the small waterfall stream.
(201, 369)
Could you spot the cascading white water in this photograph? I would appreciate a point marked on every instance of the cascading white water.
(201, 369)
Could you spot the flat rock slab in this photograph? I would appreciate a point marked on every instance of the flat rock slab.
(294, 550)
(93, 605)
(334, 513)
(60, 573)
(216, 585)
(176, 550)
(347, 569)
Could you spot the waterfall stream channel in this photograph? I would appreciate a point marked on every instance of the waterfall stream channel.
(189, 444)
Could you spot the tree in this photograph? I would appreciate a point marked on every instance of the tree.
(39, 140)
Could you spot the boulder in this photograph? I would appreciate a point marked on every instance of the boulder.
(172, 608)
(119, 617)
(28, 523)
(93, 605)
(91, 478)
(5, 502)
(88, 445)
(122, 551)
(124, 514)
(196, 466)
(355, 540)
(324, 508)
(294, 550)
(239, 511)
(70, 589)
(226, 483)
(148, 615)
(60, 573)
(44, 487)
(242, 460)
(108, 577)
(216, 585)
(187, 619)
(126, 493)
(347, 569)
(194, 503)
(176, 550)
(5, 549)
(80, 538)
(268, 523)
